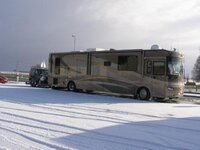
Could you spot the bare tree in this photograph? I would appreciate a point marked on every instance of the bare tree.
(196, 70)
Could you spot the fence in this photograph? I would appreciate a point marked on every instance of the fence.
(192, 88)
(16, 76)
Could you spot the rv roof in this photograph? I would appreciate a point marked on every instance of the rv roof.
(111, 50)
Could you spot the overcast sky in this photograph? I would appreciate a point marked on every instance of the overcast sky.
(31, 29)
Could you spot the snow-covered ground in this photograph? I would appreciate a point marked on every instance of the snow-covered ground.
(36, 118)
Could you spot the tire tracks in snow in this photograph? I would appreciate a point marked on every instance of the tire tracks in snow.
(97, 136)
(105, 116)
(116, 119)
(131, 123)
(100, 136)
(86, 115)
(26, 136)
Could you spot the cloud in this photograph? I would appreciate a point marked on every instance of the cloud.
(34, 28)
(138, 20)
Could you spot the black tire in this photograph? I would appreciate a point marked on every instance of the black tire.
(71, 86)
(33, 83)
(143, 93)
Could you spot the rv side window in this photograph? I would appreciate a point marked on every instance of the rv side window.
(57, 62)
(57, 66)
(32, 72)
(159, 68)
(128, 63)
(50, 63)
(148, 67)
(107, 63)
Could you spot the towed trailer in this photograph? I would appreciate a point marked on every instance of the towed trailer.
(142, 73)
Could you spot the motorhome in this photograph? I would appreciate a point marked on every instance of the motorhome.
(142, 73)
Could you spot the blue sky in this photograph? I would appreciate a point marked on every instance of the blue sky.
(31, 29)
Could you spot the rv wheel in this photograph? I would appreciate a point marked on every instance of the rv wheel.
(71, 86)
(32, 85)
(143, 93)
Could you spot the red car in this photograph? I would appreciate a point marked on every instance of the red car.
(3, 79)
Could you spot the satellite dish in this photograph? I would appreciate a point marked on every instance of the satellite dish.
(154, 47)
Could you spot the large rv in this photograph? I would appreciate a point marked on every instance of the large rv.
(142, 73)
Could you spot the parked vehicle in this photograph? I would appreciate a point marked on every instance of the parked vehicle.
(3, 79)
(142, 73)
(38, 76)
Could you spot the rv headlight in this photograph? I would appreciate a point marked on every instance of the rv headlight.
(170, 89)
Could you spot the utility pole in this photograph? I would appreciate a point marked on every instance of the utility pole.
(74, 37)
(17, 73)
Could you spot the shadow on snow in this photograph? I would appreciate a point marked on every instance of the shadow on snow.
(26, 94)
(173, 134)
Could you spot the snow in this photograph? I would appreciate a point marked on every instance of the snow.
(46, 119)
(192, 94)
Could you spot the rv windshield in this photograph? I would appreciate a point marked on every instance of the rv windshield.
(175, 66)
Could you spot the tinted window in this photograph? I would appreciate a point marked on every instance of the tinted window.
(128, 63)
(32, 72)
(57, 66)
(159, 68)
(107, 63)
(148, 67)
(175, 66)
(57, 62)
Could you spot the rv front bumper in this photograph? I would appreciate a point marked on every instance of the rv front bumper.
(174, 92)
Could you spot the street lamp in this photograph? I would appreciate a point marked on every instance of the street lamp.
(74, 41)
